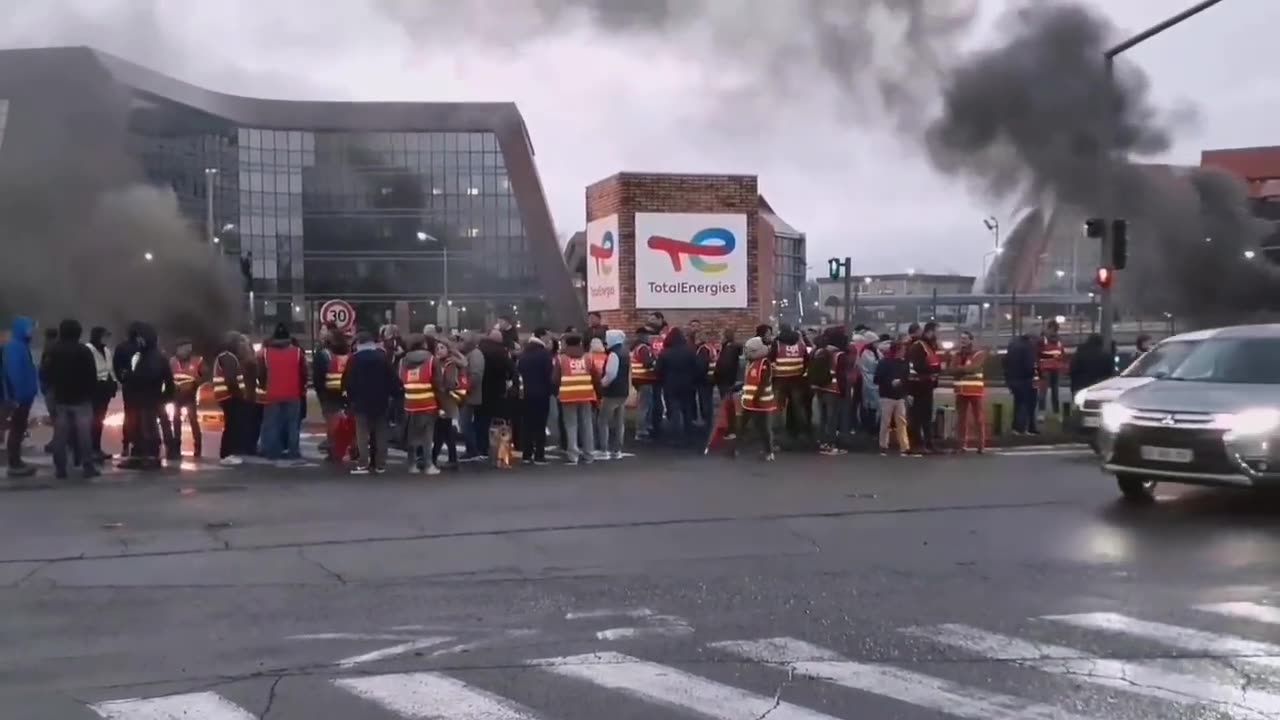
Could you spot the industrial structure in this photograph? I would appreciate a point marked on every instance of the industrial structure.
(412, 212)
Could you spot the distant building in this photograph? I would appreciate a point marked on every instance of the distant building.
(1259, 167)
(788, 262)
(873, 292)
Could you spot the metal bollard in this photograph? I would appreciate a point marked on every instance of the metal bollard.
(997, 419)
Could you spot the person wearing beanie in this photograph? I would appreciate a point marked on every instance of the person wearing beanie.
(758, 401)
(615, 386)
(282, 380)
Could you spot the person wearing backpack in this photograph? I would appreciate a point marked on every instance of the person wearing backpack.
(828, 373)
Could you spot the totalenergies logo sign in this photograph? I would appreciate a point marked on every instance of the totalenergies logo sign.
(602, 253)
(691, 260)
(705, 244)
(604, 290)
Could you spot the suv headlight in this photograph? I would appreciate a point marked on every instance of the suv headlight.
(1115, 415)
(1252, 422)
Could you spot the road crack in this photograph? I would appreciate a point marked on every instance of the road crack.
(302, 553)
(271, 698)
(777, 696)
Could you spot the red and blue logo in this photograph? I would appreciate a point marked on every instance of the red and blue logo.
(603, 253)
(706, 243)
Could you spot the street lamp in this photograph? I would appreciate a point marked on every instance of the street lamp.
(148, 256)
(1105, 182)
(210, 175)
(1249, 254)
(424, 236)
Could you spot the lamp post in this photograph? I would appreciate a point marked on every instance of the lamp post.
(992, 224)
(1105, 183)
(424, 236)
(210, 176)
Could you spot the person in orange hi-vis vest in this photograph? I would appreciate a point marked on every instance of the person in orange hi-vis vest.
(971, 390)
(282, 388)
(230, 393)
(579, 392)
(644, 377)
(758, 400)
(188, 373)
(598, 356)
(420, 376)
(790, 358)
(1051, 358)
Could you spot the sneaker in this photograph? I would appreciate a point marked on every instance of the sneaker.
(615, 456)
(526, 461)
(359, 470)
(433, 470)
(840, 451)
(540, 462)
(884, 452)
(569, 461)
(600, 455)
(231, 461)
(769, 458)
(379, 471)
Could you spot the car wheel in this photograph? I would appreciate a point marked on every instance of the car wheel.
(1137, 489)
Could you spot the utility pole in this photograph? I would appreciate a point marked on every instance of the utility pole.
(843, 269)
(210, 177)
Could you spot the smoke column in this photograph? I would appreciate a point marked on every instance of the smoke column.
(1024, 118)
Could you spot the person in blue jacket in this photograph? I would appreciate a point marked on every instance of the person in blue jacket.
(21, 386)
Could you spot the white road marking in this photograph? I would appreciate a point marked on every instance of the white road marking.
(927, 691)
(192, 706)
(1138, 678)
(1245, 611)
(352, 636)
(1233, 647)
(674, 688)
(423, 696)
(393, 651)
(608, 613)
(630, 633)
(1029, 453)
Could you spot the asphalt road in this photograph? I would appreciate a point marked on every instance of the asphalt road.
(1008, 586)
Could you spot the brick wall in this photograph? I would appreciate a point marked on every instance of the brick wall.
(628, 193)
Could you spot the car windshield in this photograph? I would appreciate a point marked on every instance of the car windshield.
(1232, 360)
(1160, 360)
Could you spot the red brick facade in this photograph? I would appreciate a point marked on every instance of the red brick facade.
(629, 193)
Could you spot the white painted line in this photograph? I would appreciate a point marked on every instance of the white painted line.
(1029, 453)
(608, 613)
(1245, 611)
(192, 706)
(1149, 680)
(818, 663)
(1231, 647)
(393, 651)
(630, 633)
(420, 696)
(674, 688)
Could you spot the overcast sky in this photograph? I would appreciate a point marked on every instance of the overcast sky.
(596, 105)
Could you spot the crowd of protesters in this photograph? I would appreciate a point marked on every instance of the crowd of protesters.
(502, 398)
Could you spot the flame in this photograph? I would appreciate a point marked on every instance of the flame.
(116, 419)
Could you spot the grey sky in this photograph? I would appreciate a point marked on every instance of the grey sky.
(598, 104)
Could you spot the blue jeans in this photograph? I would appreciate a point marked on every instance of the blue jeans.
(281, 430)
(1024, 405)
(644, 409)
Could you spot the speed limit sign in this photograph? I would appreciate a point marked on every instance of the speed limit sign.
(339, 314)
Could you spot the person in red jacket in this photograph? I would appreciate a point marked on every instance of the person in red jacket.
(282, 386)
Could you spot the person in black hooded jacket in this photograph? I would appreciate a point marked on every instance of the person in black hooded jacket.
(121, 359)
(149, 383)
(678, 373)
(70, 374)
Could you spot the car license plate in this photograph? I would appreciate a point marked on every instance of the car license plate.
(1164, 454)
(1091, 421)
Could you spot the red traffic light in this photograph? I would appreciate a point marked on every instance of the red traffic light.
(1103, 277)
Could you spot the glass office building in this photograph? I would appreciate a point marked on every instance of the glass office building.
(412, 212)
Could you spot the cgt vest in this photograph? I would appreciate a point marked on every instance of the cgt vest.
(284, 374)
(333, 376)
(711, 353)
(419, 392)
(757, 395)
(1052, 354)
(971, 384)
(577, 384)
(186, 375)
(790, 362)
(641, 365)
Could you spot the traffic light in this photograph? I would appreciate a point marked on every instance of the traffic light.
(833, 268)
(1119, 244)
(1103, 277)
(1095, 228)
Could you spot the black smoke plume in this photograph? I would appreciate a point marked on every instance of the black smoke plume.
(1032, 116)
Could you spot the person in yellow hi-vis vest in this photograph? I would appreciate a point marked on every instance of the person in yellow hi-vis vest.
(579, 392)
(758, 400)
(971, 391)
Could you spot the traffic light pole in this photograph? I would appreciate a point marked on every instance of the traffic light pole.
(1107, 182)
(848, 294)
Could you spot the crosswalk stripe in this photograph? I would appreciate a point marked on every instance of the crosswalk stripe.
(423, 696)
(1133, 677)
(1238, 648)
(191, 706)
(393, 651)
(812, 661)
(674, 688)
(1245, 611)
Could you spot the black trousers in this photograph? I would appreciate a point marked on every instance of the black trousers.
(193, 422)
(920, 417)
(101, 402)
(444, 437)
(145, 440)
(237, 424)
(536, 411)
(18, 421)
